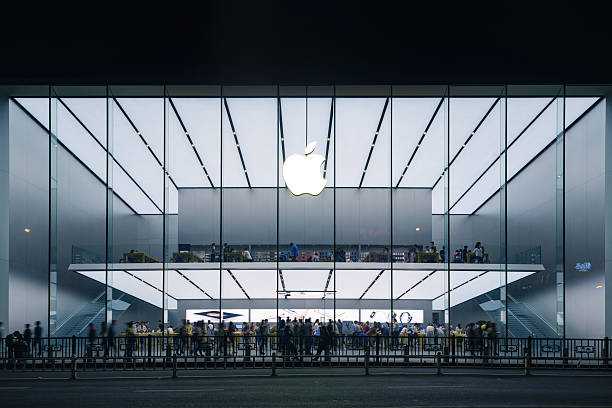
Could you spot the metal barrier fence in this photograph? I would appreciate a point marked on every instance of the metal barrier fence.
(162, 352)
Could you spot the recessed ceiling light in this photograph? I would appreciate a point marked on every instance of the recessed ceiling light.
(417, 228)
(26, 229)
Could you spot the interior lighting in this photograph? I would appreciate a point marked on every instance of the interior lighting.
(26, 229)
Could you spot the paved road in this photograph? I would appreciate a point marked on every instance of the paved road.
(311, 388)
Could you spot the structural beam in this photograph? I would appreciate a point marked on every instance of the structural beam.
(380, 121)
(420, 142)
(190, 141)
(161, 165)
(503, 151)
(90, 133)
(238, 283)
(372, 283)
(329, 131)
(229, 116)
(194, 284)
(466, 142)
(551, 143)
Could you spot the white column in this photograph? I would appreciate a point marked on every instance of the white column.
(608, 219)
(4, 209)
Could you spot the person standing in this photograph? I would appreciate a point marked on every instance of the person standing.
(213, 252)
(37, 338)
(104, 335)
(110, 337)
(92, 334)
(293, 252)
(2, 331)
(27, 335)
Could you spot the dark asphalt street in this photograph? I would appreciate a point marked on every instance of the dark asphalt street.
(311, 388)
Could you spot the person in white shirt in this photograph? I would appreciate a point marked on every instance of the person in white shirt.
(246, 255)
(430, 333)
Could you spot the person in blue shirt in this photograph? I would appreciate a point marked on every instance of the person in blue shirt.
(294, 252)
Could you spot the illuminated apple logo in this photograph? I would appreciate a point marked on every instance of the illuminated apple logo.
(302, 174)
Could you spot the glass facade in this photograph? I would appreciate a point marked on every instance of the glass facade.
(446, 204)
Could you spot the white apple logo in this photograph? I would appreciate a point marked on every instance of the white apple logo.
(302, 174)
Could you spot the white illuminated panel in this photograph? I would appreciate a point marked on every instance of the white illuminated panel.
(404, 280)
(259, 284)
(181, 288)
(306, 280)
(350, 284)
(208, 280)
(202, 117)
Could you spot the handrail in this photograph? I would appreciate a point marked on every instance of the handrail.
(71, 315)
(532, 310)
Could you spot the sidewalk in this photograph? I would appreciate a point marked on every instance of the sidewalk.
(297, 372)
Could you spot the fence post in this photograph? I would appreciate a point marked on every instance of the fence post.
(367, 361)
(453, 347)
(73, 366)
(406, 353)
(149, 347)
(73, 344)
(606, 351)
(273, 364)
(438, 363)
(174, 375)
(377, 348)
(527, 356)
(446, 348)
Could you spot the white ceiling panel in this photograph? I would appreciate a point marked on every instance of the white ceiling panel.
(207, 280)
(38, 107)
(255, 121)
(350, 284)
(148, 116)
(230, 289)
(182, 162)
(404, 280)
(410, 118)
(181, 288)
(429, 159)
(259, 284)
(356, 122)
(465, 114)
(92, 112)
(202, 118)
(314, 279)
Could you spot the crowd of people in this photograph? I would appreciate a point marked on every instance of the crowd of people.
(295, 337)
(411, 254)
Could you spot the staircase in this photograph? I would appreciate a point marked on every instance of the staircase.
(523, 322)
(77, 323)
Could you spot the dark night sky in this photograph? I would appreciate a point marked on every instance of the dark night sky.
(306, 43)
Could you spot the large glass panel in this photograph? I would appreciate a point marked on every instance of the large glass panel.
(363, 204)
(476, 207)
(27, 278)
(420, 273)
(137, 207)
(306, 207)
(535, 211)
(585, 114)
(193, 207)
(78, 178)
(249, 201)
